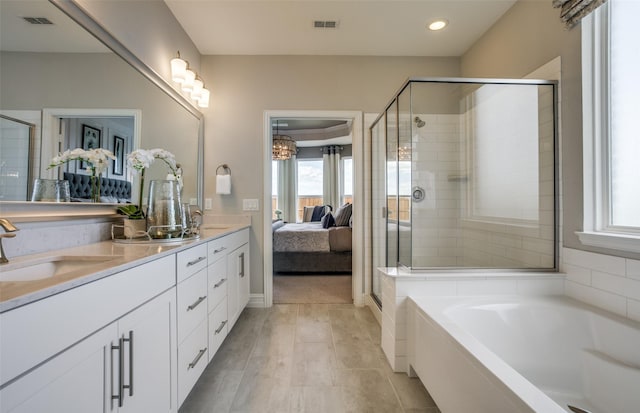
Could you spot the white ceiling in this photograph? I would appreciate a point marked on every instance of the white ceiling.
(64, 35)
(366, 27)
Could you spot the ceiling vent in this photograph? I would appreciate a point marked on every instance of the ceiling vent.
(326, 24)
(37, 20)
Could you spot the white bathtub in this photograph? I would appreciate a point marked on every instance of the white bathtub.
(523, 354)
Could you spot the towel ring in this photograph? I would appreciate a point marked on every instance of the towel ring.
(225, 168)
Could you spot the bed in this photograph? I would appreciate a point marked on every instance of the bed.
(111, 190)
(309, 248)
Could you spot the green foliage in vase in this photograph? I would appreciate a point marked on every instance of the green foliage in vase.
(131, 211)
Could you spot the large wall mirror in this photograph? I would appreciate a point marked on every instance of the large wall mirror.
(58, 78)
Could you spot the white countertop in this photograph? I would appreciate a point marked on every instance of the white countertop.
(17, 293)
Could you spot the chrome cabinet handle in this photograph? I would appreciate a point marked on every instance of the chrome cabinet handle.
(194, 262)
(197, 303)
(218, 284)
(219, 329)
(121, 385)
(118, 396)
(197, 359)
(219, 250)
(241, 257)
(130, 385)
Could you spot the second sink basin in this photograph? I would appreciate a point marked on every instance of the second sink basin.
(51, 266)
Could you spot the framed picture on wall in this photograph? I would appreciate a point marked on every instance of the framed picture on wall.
(118, 151)
(90, 140)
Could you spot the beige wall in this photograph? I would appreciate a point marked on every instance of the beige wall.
(243, 87)
(526, 37)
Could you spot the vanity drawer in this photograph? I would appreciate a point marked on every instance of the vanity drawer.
(218, 248)
(218, 327)
(192, 303)
(217, 275)
(191, 261)
(192, 360)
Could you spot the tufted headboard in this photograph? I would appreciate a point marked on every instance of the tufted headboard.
(111, 190)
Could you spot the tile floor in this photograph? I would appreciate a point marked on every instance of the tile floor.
(300, 289)
(305, 358)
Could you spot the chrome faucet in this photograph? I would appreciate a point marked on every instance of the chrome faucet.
(196, 223)
(9, 229)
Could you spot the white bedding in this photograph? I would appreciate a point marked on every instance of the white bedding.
(304, 237)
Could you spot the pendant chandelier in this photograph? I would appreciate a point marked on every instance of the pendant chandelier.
(284, 147)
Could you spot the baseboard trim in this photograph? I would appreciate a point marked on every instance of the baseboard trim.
(256, 301)
(377, 313)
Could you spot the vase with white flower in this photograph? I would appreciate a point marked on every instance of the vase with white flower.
(139, 160)
(97, 161)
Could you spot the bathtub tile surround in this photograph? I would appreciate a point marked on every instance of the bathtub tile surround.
(397, 286)
(611, 283)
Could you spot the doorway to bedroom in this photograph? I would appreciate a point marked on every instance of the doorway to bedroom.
(311, 209)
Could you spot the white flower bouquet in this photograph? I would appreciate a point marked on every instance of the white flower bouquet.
(139, 160)
(97, 161)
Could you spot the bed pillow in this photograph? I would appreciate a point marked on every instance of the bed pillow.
(343, 214)
(278, 224)
(307, 213)
(328, 221)
(318, 213)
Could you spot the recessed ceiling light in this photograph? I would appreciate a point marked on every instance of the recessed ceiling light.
(438, 24)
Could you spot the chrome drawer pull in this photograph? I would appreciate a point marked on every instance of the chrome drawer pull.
(241, 257)
(218, 284)
(197, 303)
(219, 250)
(194, 262)
(197, 359)
(221, 327)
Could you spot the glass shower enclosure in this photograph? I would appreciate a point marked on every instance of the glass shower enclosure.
(463, 176)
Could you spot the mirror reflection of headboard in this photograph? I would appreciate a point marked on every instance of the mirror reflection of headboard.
(110, 80)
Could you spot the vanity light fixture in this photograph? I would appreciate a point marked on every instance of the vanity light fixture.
(203, 102)
(438, 24)
(178, 69)
(189, 81)
(197, 88)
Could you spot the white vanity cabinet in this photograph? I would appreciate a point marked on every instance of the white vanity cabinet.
(107, 346)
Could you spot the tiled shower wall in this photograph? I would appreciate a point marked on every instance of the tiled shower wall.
(436, 156)
(443, 235)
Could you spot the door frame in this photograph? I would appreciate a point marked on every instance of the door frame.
(357, 274)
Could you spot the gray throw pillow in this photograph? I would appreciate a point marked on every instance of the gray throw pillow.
(343, 214)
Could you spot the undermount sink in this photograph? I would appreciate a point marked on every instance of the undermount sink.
(51, 266)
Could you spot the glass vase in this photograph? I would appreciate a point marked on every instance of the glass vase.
(164, 218)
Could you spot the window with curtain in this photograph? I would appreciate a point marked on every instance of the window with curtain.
(310, 184)
(274, 188)
(347, 181)
(611, 146)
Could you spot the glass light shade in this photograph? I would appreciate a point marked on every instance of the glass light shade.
(197, 89)
(284, 147)
(203, 101)
(189, 78)
(178, 69)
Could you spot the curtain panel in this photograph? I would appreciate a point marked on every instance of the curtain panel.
(287, 189)
(332, 176)
(572, 11)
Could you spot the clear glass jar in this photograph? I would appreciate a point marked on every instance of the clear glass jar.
(164, 217)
